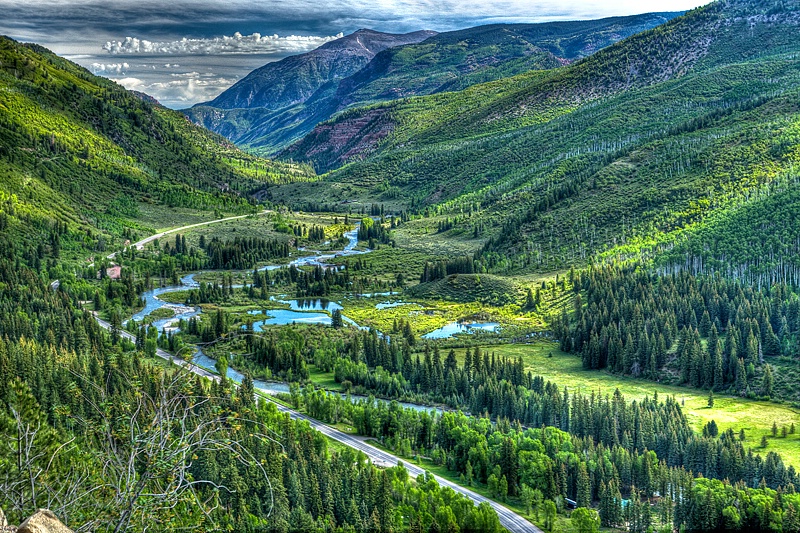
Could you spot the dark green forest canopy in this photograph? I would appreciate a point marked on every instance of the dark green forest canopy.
(675, 147)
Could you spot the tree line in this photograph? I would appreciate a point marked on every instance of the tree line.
(707, 331)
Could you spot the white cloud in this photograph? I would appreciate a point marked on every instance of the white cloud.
(236, 44)
(133, 84)
(110, 68)
(185, 88)
(189, 75)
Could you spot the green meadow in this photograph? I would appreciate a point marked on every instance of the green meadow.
(755, 417)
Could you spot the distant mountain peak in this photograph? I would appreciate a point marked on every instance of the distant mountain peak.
(294, 79)
(431, 63)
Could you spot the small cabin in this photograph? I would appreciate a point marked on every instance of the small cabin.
(114, 272)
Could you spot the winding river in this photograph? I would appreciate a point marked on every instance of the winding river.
(296, 313)
(302, 310)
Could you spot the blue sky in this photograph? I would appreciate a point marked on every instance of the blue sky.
(188, 51)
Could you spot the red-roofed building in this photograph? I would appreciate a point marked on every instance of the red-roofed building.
(114, 272)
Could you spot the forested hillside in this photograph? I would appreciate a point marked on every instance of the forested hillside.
(639, 140)
(448, 61)
(110, 441)
(612, 235)
(92, 429)
(79, 155)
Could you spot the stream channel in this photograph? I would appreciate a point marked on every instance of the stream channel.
(302, 310)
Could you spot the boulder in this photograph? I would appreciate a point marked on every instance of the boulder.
(44, 521)
(3, 521)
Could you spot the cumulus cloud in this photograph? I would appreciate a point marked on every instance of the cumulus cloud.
(254, 43)
(156, 48)
(105, 69)
(181, 89)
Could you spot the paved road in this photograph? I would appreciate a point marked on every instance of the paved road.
(161, 353)
(509, 519)
(140, 245)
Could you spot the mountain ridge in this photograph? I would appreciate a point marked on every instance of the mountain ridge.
(267, 87)
(681, 121)
(444, 62)
(528, 97)
(81, 151)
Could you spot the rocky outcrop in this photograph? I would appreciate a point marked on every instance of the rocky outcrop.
(352, 136)
(44, 521)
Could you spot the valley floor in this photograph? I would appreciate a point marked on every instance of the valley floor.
(753, 416)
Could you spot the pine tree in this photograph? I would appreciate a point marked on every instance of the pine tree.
(767, 382)
(549, 515)
(336, 319)
(705, 324)
(530, 302)
(741, 377)
(247, 391)
(719, 374)
(606, 505)
(584, 489)
(509, 466)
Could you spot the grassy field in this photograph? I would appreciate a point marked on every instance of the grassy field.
(421, 236)
(322, 379)
(264, 226)
(255, 226)
(162, 312)
(755, 417)
(485, 288)
(424, 316)
(162, 218)
(432, 305)
(387, 262)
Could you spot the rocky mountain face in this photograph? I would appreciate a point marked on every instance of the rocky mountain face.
(447, 61)
(455, 60)
(294, 79)
(722, 33)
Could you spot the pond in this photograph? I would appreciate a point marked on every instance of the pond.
(312, 304)
(282, 317)
(456, 328)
